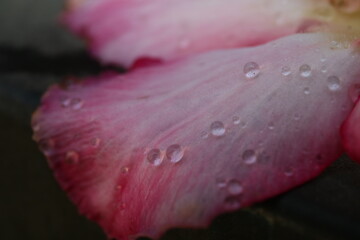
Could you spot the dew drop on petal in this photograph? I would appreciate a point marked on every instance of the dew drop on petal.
(217, 129)
(289, 172)
(95, 142)
(124, 170)
(221, 183)
(333, 83)
(251, 70)
(285, 71)
(175, 153)
(249, 157)
(155, 157)
(323, 69)
(236, 120)
(305, 71)
(232, 203)
(297, 117)
(234, 187)
(74, 103)
(306, 91)
(72, 157)
(46, 146)
(204, 135)
(271, 126)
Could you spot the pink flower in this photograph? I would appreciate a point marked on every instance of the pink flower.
(177, 144)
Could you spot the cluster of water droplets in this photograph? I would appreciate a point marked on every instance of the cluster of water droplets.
(234, 191)
(173, 153)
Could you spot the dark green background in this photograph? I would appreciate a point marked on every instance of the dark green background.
(36, 52)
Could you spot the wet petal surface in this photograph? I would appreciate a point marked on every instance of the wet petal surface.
(178, 144)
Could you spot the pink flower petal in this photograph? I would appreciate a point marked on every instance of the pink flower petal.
(121, 32)
(176, 145)
(351, 128)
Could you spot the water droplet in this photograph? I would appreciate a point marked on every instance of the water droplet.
(175, 153)
(306, 91)
(74, 103)
(243, 124)
(95, 142)
(335, 45)
(72, 157)
(236, 120)
(323, 68)
(249, 156)
(323, 59)
(124, 170)
(221, 183)
(271, 126)
(234, 187)
(232, 203)
(296, 117)
(333, 83)
(251, 70)
(305, 71)
(47, 146)
(354, 92)
(285, 71)
(289, 172)
(155, 157)
(36, 127)
(217, 129)
(204, 135)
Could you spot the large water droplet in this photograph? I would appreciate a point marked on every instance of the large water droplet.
(72, 157)
(175, 153)
(251, 70)
(155, 157)
(305, 71)
(333, 83)
(354, 92)
(234, 187)
(217, 129)
(249, 156)
(285, 71)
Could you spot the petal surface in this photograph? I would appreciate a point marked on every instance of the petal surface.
(122, 31)
(351, 128)
(176, 145)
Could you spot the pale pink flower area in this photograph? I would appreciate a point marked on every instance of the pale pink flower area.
(210, 128)
(123, 31)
